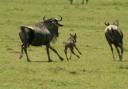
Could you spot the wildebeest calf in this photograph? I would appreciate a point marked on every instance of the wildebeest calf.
(114, 36)
(71, 44)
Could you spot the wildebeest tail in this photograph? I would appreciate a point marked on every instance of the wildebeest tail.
(26, 34)
(22, 34)
(22, 28)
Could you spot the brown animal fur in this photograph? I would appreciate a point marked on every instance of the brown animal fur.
(71, 44)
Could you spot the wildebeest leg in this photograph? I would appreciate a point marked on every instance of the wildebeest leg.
(109, 39)
(65, 51)
(77, 50)
(47, 47)
(112, 50)
(56, 52)
(121, 54)
(21, 54)
(118, 53)
(72, 50)
(122, 51)
(25, 50)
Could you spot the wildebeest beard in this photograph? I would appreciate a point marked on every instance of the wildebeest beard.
(55, 36)
(54, 39)
(55, 33)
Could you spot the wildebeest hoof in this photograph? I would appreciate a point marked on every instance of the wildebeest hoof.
(121, 58)
(67, 59)
(50, 61)
(28, 60)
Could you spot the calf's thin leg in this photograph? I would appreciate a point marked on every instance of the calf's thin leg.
(72, 50)
(65, 51)
(77, 50)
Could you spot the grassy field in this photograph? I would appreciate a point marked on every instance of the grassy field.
(94, 70)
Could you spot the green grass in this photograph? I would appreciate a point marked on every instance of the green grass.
(94, 70)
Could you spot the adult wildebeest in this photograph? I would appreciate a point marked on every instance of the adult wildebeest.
(43, 33)
(114, 37)
(71, 44)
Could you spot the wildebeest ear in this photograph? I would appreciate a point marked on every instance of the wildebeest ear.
(106, 23)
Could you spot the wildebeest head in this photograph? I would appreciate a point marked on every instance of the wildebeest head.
(116, 23)
(73, 37)
(113, 26)
(53, 21)
(52, 24)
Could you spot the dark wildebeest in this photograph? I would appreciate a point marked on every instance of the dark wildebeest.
(43, 33)
(71, 44)
(114, 37)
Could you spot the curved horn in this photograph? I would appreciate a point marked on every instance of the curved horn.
(60, 18)
(106, 23)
